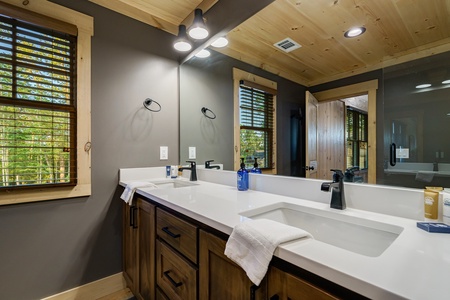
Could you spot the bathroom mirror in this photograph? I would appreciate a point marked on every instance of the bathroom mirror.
(414, 119)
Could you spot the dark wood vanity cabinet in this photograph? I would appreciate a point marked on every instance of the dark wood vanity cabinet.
(139, 248)
(176, 256)
(170, 256)
(284, 286)
(221, 278)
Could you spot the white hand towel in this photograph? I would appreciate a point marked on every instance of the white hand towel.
(251, 245)
(128, 193)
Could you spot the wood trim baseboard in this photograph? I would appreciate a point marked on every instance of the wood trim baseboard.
(93, 290)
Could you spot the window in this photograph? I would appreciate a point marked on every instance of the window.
(356, 135)
(37, 106)
(256, 124)
(44, 102)
(255, 121)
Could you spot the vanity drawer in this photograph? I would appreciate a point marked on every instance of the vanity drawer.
(176, 277)
(178, 233)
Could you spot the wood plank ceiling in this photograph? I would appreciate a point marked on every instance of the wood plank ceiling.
(166, 15)
(397, 31)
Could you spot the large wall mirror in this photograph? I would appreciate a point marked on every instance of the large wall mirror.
(410, 119)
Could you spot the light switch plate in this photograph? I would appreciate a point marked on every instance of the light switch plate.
(163, 153)
(192, 154)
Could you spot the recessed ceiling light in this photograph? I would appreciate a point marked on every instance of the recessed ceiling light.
(220, 42)
(446, 81)
(354, 32)
(422, 86)
(202, 54)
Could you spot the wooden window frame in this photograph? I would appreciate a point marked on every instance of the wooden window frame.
(239, 75)
(356, 139)
(84, 26)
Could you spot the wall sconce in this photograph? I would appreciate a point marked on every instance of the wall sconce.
(198, 29)
(182, 43)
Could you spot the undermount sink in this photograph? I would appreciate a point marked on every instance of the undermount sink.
(366, 237)
(173, 184)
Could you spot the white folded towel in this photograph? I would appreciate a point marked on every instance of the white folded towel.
(131, 187)
(252, 243)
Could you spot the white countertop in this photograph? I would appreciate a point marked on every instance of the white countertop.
(415, 266)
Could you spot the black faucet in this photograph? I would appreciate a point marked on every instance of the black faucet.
(192, 168)
(349, 175)
(208, 165)
(337, 193)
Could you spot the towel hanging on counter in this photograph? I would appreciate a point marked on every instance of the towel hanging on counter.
(252, 243)
(131, 187)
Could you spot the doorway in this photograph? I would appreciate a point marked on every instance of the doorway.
(368, 88)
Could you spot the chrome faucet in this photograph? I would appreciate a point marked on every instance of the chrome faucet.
(192, 168)
(337, 192)
(208, 165)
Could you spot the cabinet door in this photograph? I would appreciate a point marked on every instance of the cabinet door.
(129, 246)
(284, 286)
(221, 278)
(146, 249)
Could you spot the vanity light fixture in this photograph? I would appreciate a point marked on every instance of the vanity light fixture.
(354, 32)
(203, 54)
(423, 86)
(198, 29)
(220, 42)
(182, 43)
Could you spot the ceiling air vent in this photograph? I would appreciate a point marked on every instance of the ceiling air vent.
(287, 45)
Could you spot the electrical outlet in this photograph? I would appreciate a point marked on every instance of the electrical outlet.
(163, 153)
(192, 154)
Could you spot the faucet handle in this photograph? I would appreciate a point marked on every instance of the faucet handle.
(338, 175)
(193, 163)
(208, 162)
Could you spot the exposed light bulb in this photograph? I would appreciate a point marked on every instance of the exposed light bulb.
(198, 29)
(182, 43)
(182, 46)
(198, 33)
(446, 81)
(203, 54)
(220, 42)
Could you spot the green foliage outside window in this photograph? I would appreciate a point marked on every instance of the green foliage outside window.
(37, 107)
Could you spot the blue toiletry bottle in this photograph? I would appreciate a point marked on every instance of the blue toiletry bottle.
(242, 177)
(255, 168)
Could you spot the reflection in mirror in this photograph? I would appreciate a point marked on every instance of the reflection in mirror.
(412, 118)
(209, 83)
(416, 121)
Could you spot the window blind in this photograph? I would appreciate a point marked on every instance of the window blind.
(256, 124)
(37, 106)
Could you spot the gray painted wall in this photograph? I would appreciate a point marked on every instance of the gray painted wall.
(49, 247)
(209, 83)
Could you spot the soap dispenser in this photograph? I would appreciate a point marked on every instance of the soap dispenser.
(242, 177)
(255, 168)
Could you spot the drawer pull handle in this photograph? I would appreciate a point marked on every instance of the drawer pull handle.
(166, 230)
(175, 284)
